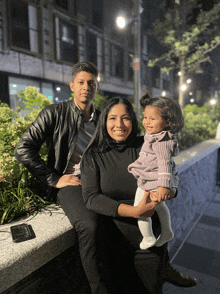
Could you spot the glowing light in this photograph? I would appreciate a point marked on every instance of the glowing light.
(192, 100)
(189, 81)
(98, 78)
(121, 22)
(190, 93)
(212, 101)
(179, 73)
(183, 87)
(58, 89)
(163, 94)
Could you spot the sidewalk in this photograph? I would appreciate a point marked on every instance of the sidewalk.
(198, 252)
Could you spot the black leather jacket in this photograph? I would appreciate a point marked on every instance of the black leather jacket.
(58, 125)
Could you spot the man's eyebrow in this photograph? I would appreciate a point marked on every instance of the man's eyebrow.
(81, 79)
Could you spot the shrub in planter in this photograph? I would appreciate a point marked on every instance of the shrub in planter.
(16, 199)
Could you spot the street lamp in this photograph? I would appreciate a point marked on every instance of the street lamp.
(121, 22)
(212, 102)
(183, 87)
(189, 81)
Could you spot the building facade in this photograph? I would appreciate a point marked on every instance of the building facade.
(40, 40)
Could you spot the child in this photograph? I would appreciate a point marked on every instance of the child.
(155, 169)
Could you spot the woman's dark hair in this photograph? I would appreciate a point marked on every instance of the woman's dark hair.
(170, 111)
(101, 140)
(84, 66)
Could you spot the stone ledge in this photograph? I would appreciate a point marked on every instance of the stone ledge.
(54, 233)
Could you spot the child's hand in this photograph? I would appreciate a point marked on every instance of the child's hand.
(153, 196)
(163, 194)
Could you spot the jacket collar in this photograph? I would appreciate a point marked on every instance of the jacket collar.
(80, 112)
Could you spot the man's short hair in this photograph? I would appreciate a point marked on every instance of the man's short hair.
(85, 66)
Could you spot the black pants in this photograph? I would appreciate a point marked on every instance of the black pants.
(125, 269)
(85, 223)
(134, 270)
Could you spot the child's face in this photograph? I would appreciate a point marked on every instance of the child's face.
(153, 121)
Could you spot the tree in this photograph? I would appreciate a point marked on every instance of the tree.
(189, 34)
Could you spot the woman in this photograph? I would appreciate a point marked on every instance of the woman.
(109, 189)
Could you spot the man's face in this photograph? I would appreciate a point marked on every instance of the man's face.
(84, 86)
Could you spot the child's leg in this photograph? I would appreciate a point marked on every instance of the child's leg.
(165, 222)
(144, 224)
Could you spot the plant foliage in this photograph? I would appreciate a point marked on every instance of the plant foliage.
(189, 34)
(16, 198)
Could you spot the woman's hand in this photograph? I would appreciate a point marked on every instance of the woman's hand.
(146, 206)
(67, 180)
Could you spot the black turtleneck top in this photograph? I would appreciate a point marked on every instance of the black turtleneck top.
(106, 181)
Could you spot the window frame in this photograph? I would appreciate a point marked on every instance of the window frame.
(100, 57)
(61, 8)
(71, 23)
(39, 29)
(111, 63)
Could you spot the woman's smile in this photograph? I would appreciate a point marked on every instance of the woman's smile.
(119, 124)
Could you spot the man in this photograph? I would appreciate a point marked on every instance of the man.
(67, 128)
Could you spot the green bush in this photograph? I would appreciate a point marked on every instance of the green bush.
(16, 198)
(200, 125)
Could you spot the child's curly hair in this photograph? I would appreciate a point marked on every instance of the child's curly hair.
(170, 111)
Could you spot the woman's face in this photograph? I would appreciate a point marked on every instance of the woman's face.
(119, 124)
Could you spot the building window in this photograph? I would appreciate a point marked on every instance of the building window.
(95, 50)
(166, 85)
(97, 13)
(117, 61)
(62, 4)
(156, 76)
(18, 84)
(66, 41)
(62, 93)
(92, 47)
(24, 26)
(144, 73)
(130, 67)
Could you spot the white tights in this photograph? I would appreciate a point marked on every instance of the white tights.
(145, 224)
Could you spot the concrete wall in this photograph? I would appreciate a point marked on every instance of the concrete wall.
(198, 179)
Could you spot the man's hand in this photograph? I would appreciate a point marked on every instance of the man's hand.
(67, 180)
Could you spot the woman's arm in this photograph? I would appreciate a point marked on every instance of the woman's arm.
(145, 208)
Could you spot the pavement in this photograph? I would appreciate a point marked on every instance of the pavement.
(198, 252)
